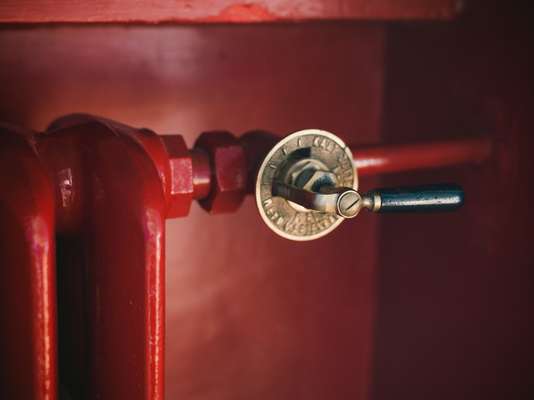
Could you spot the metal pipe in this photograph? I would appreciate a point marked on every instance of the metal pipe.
(384, 159)
(369, 160)
(201, 173)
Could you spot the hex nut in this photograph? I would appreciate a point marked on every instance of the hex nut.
(229, 171)
(320, 177)
(181, 176)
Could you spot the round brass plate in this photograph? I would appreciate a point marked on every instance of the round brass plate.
(288, 219)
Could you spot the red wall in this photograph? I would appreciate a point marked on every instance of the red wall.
(455, 291)
(387, 306)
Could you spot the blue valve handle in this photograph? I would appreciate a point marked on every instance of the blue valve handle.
(441, 197)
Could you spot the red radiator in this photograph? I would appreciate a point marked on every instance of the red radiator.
(97, 193)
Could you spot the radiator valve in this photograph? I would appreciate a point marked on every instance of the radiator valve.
(307, 186)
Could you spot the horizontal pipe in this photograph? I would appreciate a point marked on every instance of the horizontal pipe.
(371, 160)
(384, 159)
(201, 173)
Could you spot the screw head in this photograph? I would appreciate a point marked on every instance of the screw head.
(349, 204)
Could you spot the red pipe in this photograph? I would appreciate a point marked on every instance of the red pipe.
(368, 160)
(383, 159)
(28, 321)
(201, 174)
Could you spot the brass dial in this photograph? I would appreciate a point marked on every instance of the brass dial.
(306, 160)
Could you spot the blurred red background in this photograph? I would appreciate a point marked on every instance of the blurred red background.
(405, 306)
